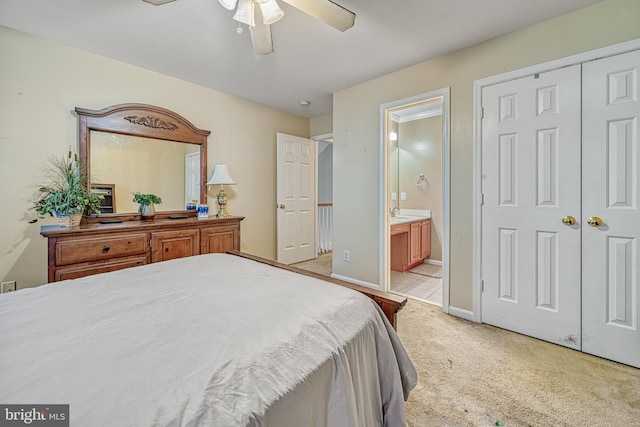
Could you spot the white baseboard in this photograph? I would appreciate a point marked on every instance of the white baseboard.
(462, 313)
(432, 261)
(355, 281)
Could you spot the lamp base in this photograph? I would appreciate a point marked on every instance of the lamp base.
(222, 204)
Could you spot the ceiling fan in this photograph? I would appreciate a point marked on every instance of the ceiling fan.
(259, 19)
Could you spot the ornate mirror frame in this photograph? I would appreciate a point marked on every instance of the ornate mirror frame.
(140, 120)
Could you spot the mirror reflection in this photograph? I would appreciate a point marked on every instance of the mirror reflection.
(124, 164)
(414, 135)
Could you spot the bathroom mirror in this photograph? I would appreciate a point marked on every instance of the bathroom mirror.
(130, 148)
(413, 133)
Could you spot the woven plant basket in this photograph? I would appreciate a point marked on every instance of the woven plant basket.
(69, 220)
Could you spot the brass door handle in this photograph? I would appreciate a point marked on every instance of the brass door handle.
(594, 221)
(281, 206)
(568, 220)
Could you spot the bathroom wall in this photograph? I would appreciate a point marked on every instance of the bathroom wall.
(420, 152)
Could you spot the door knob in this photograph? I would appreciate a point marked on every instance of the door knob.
(281, 206)
(594, 221)
(568, 220)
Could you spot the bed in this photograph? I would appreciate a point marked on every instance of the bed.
(208, 340)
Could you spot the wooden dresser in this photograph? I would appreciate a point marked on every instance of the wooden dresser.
(98, 248)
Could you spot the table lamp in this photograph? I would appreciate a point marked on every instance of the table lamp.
(221, 176)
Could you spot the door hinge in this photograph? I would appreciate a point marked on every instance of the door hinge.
(481, 199)
(482, 112)
(481, 285)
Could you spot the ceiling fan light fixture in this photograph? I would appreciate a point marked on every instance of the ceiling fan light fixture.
(271, 12)
(244, 13)
(259, 19)
(228, 4)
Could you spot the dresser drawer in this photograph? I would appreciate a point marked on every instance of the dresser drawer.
(88, 269)
(73, 251)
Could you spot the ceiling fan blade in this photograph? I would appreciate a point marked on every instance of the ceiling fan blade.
(327, 11)
(261, 36)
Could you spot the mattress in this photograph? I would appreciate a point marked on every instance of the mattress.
(209, 340)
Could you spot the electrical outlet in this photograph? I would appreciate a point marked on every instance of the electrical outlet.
(346, 256)
(7, 287)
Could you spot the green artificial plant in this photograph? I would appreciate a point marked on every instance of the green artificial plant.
(65, 190)
(146, 199)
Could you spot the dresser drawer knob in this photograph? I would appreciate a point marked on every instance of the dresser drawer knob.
(105, 249)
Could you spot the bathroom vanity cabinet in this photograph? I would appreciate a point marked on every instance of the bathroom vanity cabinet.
(410, 244)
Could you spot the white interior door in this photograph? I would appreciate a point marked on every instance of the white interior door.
(192, 178)
(610, 252)
(296, 198)
(530, 181)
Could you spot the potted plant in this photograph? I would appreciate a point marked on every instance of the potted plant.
(65, 193)
(147, 204)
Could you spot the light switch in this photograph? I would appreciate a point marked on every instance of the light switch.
(403, 196)
(394, 196)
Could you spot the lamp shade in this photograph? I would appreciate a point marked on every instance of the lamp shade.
(220, 175)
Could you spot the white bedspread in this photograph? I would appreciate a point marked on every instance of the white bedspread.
(213, 340)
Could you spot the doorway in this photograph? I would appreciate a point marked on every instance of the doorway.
(415, 199)
(322, 263)
(296, 198)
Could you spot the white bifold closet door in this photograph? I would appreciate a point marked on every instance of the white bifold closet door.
(610, 191)
(530, 181)
(560, 220)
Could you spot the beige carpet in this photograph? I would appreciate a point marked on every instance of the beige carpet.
(321, 265)
(477, 375)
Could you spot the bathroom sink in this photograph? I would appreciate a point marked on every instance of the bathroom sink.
(400, 219)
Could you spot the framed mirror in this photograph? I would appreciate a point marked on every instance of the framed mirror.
(129, 148)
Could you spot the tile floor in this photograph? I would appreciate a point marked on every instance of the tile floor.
(410, 285)
(417, 286)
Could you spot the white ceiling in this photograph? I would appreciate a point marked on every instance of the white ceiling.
(197, 41)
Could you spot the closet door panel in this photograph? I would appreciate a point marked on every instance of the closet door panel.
(530, 181)
(611, 256)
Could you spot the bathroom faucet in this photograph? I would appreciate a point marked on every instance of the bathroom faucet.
(393, 211)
